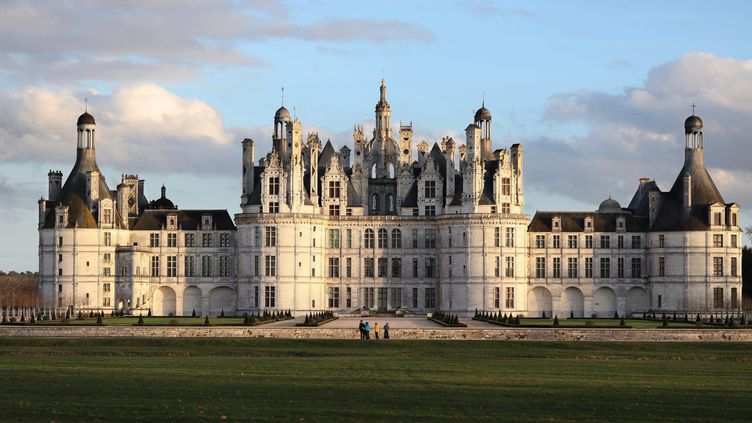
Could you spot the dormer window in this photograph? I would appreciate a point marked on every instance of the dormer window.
(172, 222)
(588, 223)
(620, 224)
(206, 222)
(556, 223)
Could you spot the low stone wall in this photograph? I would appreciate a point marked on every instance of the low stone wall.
(505, 334)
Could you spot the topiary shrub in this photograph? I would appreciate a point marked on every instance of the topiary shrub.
(149, 315)
(140, 320)
(665, 321)
(194, 313)
(556, 320)
(571, 314)
(616, 315)
(543, 314)
(100, 322)
(622, 323)
(222, 314)
(206, 321)
(32, 320)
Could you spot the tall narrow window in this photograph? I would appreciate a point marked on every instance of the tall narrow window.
(396, 238)
(274, 185)
(270, 236)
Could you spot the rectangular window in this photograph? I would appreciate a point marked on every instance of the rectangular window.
(333, 267)
(172, 266)
(588, 267)
(620, 242)
(430, 267)
(270, 296)
(636, 241)
(717, 266)
(733, 267)
(189, 240)
(733, 222)
(224, 239)
(415, 297)
(717, 219)
(107, 239)
(717, 297)
(334, 187)
(396, 267)
(333, 238)
(636, 267)
(107, 257)
(106, 271)
(588, 241)
(430, 240)
(497, 297)
(270, 265)
(497, 267)
(718, 240)
(557, 267)
(257, 236)
(572, 241)
(605, 267)
(734, 242)
(348, 298)
(382, 265)
(505, 186)
(509, 239)
(106, 302)
(605, 241)
(572, 267)
(540, 241)
(107, 215)
(505, 208)
(349, 238)
(256, 296)
(333, 209)
(540, 267)
(224, 266)
(333, 297)
(206, 266)
(509, 272)
(155, 266)
(368, 267)
(415, 238)
(274, 185)
(430, 210)
(415, 267)
(274, 207)
(60, 240)
(510, 297)
(270, 236)
(256, 265)
(172, 240)
(557, 241)
(497, 237)
(661, 241)
(620, 267)
(153, 240)
(369, 297)
(188, 266)
(661, 266)
(206, 240)
(430, 189)
(348, 268)
(734, 299)
(106, 287)
(430, 298)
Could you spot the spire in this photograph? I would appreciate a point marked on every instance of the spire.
(693, 108)
(164, 191)
(283, 96)
(383, 90)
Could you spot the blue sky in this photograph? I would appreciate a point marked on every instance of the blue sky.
(596, 91)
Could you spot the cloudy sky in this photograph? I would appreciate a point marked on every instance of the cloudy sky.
(597, 92)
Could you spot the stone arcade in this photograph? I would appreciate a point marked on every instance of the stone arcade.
(387, 230)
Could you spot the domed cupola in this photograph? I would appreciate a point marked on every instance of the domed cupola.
(483, 121)
(482, 114)
(282, 115)
(693, 125)
(609, 205)
(163, 203)
(86, 127)
(86, 119)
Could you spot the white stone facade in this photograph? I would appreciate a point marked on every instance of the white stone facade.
(389, 232)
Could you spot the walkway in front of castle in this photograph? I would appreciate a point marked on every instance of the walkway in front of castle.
(394, 323)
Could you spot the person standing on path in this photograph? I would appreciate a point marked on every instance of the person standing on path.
(386, 330)
(362, 329)
(376, 330)
(367, 329)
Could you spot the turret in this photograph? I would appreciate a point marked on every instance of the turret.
(472, 136)
(42, 203)
(344, 156)
(483, 121)
(314, 147)
(282, 120)
(406, 144)
(686, 193)
(296, 167)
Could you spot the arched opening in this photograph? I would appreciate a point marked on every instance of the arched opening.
(389, 203)
(637, 301)
(396, 238)
(383, 238)
(539, 301)
(373, 171)
(375, 200)
(391, 171)
(222, 299)
(163, 302)
(604, 302)
(192, 301)
(571, 302)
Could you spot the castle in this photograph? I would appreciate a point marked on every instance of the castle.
(387, 230)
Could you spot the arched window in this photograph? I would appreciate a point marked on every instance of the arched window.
(391, 171)
(389, 203)
(383, 238)
(373, 171)
(396, 238)
(368, 238)
(375, 203)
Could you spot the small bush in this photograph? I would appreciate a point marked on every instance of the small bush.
(194, 313)
(556, 320)
(100, 322)
(571, 314)
(140, 320)
(543, 315)
(622, 323)
(206, 321)
(173, 322)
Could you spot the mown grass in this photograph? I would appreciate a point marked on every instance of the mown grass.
(194, 379)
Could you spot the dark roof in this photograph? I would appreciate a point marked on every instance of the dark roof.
(86, 119)
(353, 199)
(255, 198)
(482, 114)
(162, 203)
(189, 220)
(575, 222)
(639, 205)
(411, 198)
(692, 124)
(282, 114)
(326, 156)
(487, 196)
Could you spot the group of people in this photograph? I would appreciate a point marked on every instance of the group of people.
(365, 330)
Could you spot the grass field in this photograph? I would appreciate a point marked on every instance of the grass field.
(192, 379)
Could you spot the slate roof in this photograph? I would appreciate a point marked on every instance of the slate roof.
(152, 220)
(575, 222)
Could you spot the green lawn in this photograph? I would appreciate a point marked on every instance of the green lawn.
(192, 379)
